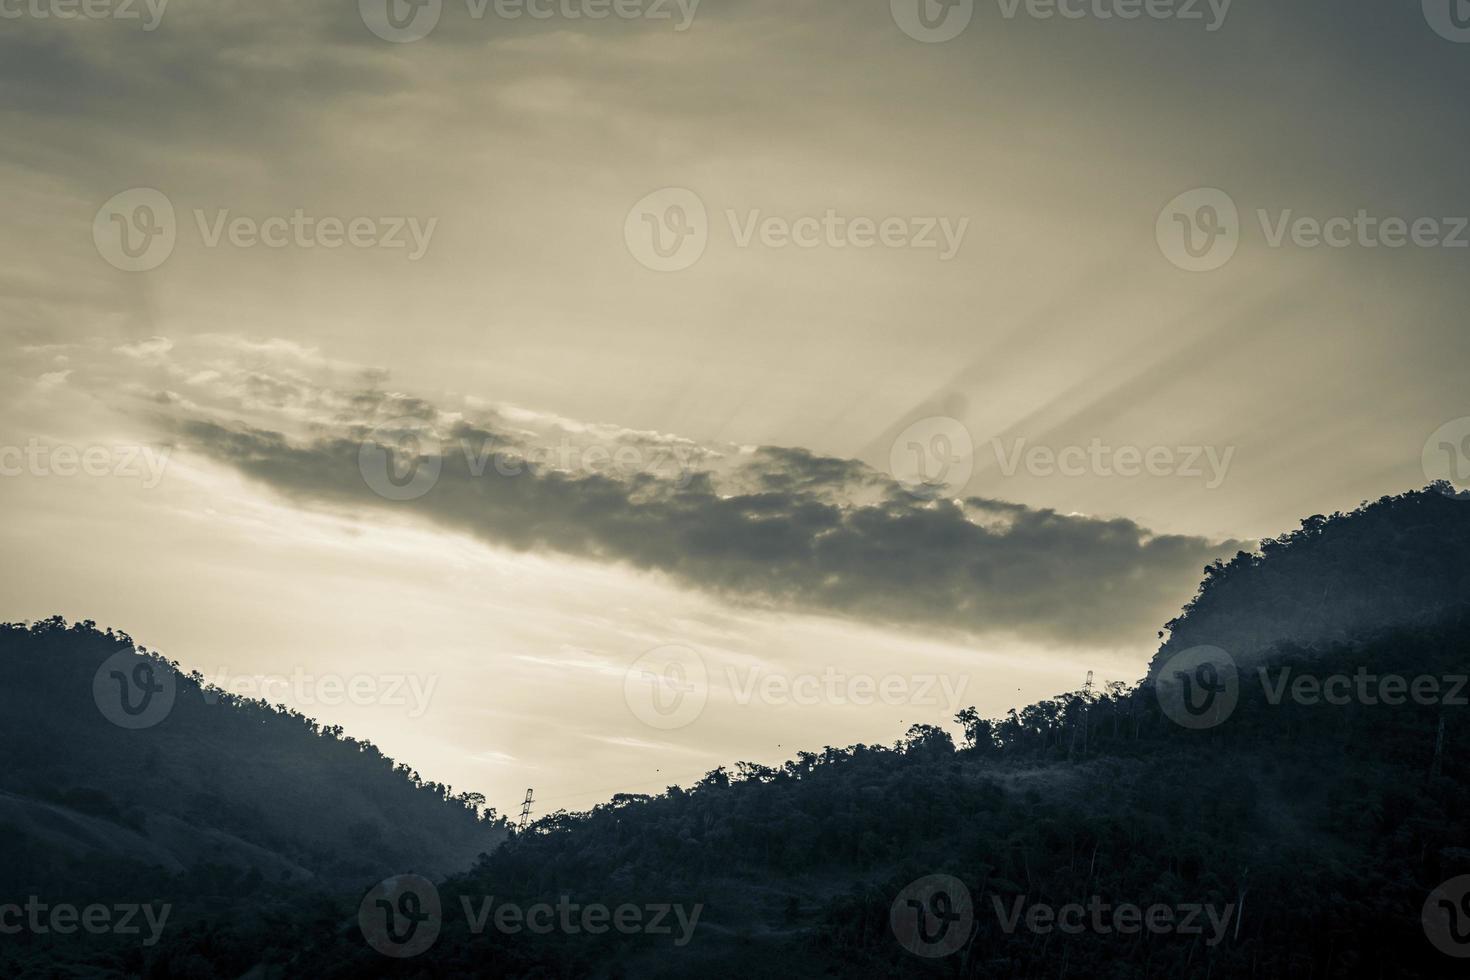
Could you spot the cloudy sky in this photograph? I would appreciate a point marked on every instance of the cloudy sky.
(781, 342)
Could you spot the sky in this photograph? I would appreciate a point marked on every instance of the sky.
(753, 354)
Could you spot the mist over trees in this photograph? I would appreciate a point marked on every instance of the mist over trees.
(1315, 826)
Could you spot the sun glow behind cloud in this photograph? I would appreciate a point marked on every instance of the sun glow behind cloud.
(1058, 322)
(524, 655)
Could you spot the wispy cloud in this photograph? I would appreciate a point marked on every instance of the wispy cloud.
(764, 526)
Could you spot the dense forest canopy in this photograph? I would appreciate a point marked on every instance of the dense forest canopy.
(1314, 833)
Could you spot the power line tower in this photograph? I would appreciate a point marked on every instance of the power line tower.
(1086, 708)
(525, 812)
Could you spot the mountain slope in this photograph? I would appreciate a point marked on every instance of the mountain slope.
(1314, 832)
(214, 779)
(1398, 561)
(1308, 835)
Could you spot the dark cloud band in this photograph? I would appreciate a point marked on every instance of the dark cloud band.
(779, 529)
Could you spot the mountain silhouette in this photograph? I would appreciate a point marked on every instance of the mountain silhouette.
(124, 773)
(1269, 801)
(1395, 562)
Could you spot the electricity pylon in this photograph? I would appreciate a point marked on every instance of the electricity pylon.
(525, 812)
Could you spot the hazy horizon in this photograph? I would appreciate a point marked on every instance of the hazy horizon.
(733, 277)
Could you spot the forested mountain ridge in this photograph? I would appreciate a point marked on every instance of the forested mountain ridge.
(1314, 834)
(1399, 561)
(208, 778)
(1301, 836)
(1306, 837)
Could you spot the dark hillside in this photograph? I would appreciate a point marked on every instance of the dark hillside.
(1398, 561)
(216, 779)
(1299, 827)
